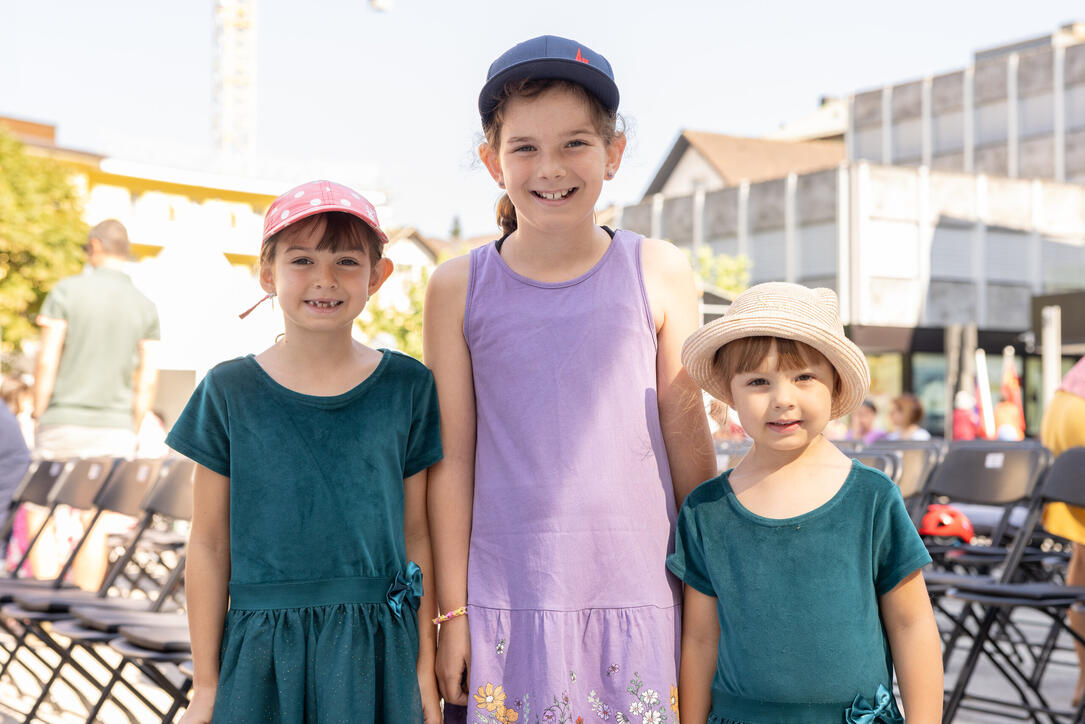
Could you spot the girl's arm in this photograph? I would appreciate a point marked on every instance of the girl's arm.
(207, 575)
(672, 294)
(916, 647)
(700, 647)
(451, 492)
(416, 530)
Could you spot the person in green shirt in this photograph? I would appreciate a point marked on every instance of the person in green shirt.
(94, 380)
(95, 375)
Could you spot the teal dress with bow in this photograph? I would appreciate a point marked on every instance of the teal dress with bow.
(801, 636)
(322, 626)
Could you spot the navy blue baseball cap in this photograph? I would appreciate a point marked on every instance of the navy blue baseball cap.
(549, 56)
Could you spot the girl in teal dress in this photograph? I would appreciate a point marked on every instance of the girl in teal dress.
(309, 534)
(803, 591)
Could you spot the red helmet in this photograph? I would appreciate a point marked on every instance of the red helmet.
(945, 521)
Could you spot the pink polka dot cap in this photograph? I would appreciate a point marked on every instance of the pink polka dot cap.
(318, 197)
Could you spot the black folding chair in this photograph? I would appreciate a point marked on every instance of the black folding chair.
(918, 459)
(1003, 476)
(153, 650)
(40, 478)
(36, 485)
(887, 462)
(1022, 662)
(92, 627)
(52, 484)
(120, 488)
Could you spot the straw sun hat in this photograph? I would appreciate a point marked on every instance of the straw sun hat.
(791, 311)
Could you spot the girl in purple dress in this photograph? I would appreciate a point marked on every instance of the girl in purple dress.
(571, 431)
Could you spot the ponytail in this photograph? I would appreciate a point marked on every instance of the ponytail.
(506, 215)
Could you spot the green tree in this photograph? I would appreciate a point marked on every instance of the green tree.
(403, 326)
(728, 273)
(41, 236)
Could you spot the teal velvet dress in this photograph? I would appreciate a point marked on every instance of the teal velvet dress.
(322, 624)
(801, 637)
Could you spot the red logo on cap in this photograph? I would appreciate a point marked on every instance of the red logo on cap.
(580, 57)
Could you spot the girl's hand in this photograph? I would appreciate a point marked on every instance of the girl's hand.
(454, 660)
(201, 707)
(431, 700)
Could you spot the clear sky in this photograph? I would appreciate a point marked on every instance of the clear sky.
(395, 92)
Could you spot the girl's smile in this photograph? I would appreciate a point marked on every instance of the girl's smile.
(555, 195)
(551, 159)
(322, 289)
(324, 304)
(785, 426)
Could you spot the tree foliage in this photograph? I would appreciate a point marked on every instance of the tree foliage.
(727, 273)
(387, 324)
(41, 236)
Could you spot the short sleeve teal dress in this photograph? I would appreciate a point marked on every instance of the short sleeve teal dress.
(801, 638)
(322, 622)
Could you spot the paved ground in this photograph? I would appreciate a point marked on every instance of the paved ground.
(1058, 681)
(66, 706)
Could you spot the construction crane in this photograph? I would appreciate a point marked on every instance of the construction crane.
(234, 96)
(234, 110)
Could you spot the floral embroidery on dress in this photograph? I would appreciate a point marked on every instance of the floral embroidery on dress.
(491, 699)
(501, 647)
(645, 707)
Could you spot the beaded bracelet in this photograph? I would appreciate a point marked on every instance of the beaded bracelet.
(461, 611)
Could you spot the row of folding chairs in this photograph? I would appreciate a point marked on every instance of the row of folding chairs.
(991, 595)
(1011, 594)
(102, 646)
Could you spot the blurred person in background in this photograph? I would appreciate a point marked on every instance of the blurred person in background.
(864, 424)
(14, 458)
(1008, 421)
(94, 380)
(905, 414)
(19, 398)
(1063, 427)
(14, 453)
(966, 420)
(95, 375)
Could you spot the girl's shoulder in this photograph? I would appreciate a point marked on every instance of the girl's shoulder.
(710, 492)
(404, 365)
(663, 255)
(871, 483)
(233, 372)
(454, 271)
(447, 286)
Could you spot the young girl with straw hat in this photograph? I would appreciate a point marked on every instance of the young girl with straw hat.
(803, 589)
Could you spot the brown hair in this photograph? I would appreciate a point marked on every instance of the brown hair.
(747, 353)
(604, 120)
(909, 406)
(337, 230)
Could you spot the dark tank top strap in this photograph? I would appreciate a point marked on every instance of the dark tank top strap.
(499, 242)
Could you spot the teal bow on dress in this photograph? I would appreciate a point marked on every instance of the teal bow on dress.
(883, 709)
(407, 583)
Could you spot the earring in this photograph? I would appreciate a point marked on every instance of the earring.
(500, 184)
(610, 174)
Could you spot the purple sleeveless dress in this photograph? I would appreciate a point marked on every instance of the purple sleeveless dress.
(573, 613)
